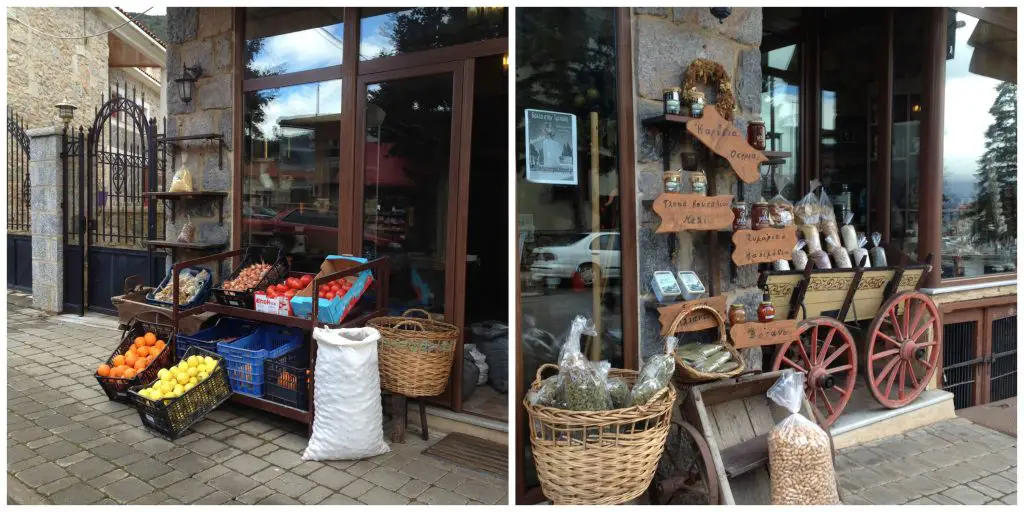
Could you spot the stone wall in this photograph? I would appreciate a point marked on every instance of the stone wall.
(204, 37)
(41, 70)
(665, 42)
(47, 226)
(132, 80)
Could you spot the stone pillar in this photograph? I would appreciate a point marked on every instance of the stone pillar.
(46, 173)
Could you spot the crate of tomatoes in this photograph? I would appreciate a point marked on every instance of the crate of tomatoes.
(336, 298)
(276, 298)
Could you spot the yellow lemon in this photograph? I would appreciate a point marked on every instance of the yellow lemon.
(193, 371)
(167, 377)
(166, 386)
(192, 363)
(156, 395)
(144, 393)
(179, 389)
(202, 376)
(208, 360)
(162, 372)
(183, 365)
(182, 378)
(189, 386)
(194, 381)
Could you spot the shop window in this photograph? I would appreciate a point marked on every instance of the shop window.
(979, 150)
(390, 31)
(281, 40)
(290, 171)
(780, 110)
(567, 185)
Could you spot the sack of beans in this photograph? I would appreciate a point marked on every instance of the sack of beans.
(799, 451)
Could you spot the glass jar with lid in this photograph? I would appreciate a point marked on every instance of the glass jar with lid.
(696, 102)
(673, 181)
(756, 134)
(699, 182)
(673, 99)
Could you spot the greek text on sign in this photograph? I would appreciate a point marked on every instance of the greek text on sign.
(719, 135)
(763, 245)
(682, 212)
(696, 322)
(754, 334)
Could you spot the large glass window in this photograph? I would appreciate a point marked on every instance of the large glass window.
(390, 31)
(282, 40)
(979, 151)
(780, 110)
(567, 184)
(290, 170)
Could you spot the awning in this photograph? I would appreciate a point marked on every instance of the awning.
(995, 49)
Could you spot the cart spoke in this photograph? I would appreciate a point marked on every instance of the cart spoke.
(903, 378)
(892, 376)
(885, 353)
(828, 404)
(814, 345)
(895, 323)
(841, 391)
(813, 396)
(905, 329)
(915, 322)
(888, 339)
(887, 369)
(839, 369)
(794, 365)
(913, 375)
(835, 355)
(828, 342)
(928, 344)
(803, 353)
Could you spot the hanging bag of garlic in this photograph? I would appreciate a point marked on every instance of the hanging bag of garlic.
(799, 451)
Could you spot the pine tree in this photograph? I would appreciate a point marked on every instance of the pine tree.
(995, 204)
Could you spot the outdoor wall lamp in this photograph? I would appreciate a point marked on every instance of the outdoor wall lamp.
(66, 111)
(504, 62)
(721, 13)
(187, 82)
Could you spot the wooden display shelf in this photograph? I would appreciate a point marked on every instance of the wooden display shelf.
(200, 137)
(179, 196)
(192, 246)
(777, 155)
(273, 407)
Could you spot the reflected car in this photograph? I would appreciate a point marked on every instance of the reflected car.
(297, 229)
(563, 261)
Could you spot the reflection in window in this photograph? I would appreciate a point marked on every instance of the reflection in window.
(389, 31)
(979, 152)
(290, 170)
(282, 40)
(780, 110)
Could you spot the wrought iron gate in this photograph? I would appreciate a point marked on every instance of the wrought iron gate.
(961, 361)
(1003, 369)
(19, 193)
(108, 218)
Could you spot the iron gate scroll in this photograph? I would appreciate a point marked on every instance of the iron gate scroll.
(109, 225)
(19, 193)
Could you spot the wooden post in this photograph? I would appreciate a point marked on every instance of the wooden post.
(929, 215)
(883, 175)
(595, 223)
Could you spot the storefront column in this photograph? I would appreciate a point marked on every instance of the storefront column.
(882, 196)
(47, 223)
(930, 199)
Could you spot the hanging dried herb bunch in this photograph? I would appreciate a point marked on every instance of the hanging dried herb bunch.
(709, 72)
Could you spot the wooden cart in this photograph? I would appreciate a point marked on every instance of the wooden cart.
(899, 329)
(718, 451)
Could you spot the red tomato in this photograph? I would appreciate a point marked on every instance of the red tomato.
(289, 293)
(272, 293)
(281, 288)
(330, 295)
(322, 295)
(306, 279)
(271, 289)
(324, 288)
(335, 288)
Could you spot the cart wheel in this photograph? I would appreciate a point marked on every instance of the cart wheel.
(686, 473)
(827, 356)
(903, 348)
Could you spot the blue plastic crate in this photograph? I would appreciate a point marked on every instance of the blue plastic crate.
(200, 298)
(245, 356)
(207, 339)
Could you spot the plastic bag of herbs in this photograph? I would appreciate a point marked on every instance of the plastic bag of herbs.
(655, 375)
(582, 384)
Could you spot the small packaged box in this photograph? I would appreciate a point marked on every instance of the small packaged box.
(277, 305)
(665, 287)
(692, 287)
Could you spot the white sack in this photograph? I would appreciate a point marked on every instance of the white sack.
(348, 423)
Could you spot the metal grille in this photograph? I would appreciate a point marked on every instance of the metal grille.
(1003, 371)
(73, 160)
(959, 371)
(19, 191)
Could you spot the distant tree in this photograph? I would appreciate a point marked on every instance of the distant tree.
(995, 204)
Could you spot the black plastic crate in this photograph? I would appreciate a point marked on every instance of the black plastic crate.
(227, 329)
(286, 378)
(253, 254)
(116, 388)
(172, 418)
(199, 299)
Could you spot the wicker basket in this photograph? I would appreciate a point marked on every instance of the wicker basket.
(686, 374)
(414, 354)
(598, 457)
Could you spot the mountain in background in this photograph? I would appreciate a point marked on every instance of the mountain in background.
(158, 24)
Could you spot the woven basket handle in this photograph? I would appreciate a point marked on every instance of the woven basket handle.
(540, 371)
(413, 323)
(426, 314)
(687, 312)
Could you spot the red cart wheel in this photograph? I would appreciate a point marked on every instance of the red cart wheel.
(686, 473)
(903, 348)
(827, 356)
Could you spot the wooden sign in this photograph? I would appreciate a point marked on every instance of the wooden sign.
(693, 212)
(754, 334)
(763, 245)
(696, 322)
(719, 135)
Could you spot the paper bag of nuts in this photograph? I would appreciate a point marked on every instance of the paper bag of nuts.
(799, 451)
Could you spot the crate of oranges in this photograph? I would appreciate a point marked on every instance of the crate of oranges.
(145, 348)
(183, 394)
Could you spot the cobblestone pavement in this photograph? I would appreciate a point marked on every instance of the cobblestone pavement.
(950, 462)
(67, 444)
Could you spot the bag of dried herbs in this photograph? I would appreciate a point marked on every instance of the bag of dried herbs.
(548, 393)
(654, 375)
(618, 389)
(582, 384)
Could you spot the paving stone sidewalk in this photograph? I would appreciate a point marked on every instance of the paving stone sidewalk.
(951, 462)
(67, 444)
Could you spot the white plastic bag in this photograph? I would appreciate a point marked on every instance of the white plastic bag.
(346, 393)
(799, 451)
(479, 360)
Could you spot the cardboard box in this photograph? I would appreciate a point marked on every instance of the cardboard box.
(277, 305)
(333, 311)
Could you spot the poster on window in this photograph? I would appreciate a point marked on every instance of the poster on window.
(551, 143)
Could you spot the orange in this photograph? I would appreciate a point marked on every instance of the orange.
(129, 373)
(140, 340)
(117, 372)
(150, 342)
(150, 338)
(160, 344)
(118, 360)
(149, 360)
(131, 358)
(141, 364)
(142, 351)
(104, 370)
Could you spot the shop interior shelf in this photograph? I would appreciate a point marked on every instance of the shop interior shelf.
(666, 120)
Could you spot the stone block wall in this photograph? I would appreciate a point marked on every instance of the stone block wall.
(47, 226)
(202, 36)
(141, 85)
(41, 70)
(665, 42)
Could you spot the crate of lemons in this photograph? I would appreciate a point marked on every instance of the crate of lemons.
(182, 393)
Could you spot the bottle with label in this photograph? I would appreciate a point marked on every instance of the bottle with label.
(737, 315)
(766, 312)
